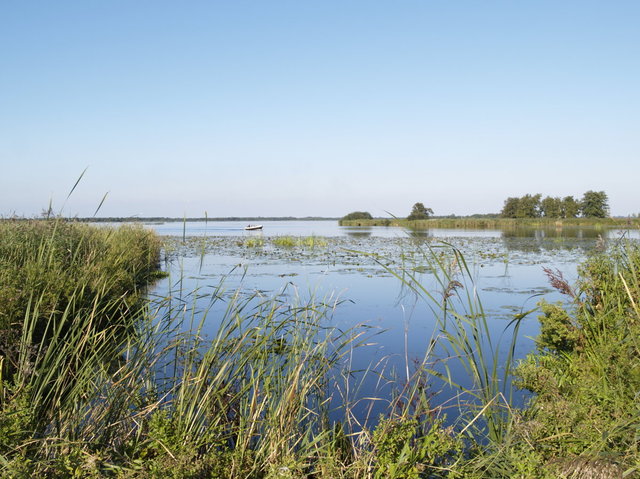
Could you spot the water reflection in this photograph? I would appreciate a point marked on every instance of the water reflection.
(358, 232)
(331, 229)
(548, 239)
(554, 232)
(412, 233)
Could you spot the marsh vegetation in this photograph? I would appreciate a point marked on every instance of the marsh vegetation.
(104, 377)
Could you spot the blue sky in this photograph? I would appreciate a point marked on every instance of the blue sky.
(275, 108)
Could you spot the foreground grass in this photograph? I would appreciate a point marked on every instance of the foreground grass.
(69, 298)
(586, 373)
(53, 271)
(97, 383)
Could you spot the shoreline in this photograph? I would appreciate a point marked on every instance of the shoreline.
(497, 223)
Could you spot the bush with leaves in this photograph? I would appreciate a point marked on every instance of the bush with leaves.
(586, 375)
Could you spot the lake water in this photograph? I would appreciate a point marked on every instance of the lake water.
(506, 272)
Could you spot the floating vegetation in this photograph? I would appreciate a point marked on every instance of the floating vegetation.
(254, 242)
(313, 242)
(284, 241)
(301, 242)
(481, 251)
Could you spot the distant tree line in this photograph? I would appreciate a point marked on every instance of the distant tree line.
(594, 204)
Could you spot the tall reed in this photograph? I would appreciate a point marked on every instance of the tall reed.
(462, 335)
(70, 297)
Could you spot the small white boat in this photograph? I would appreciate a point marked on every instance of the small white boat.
(253, 227)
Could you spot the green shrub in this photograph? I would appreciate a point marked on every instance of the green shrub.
(558, 331)
(407, 449)
(586, 375)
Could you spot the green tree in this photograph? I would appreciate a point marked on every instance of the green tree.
(510, 208)
(570, 208)
(419, 212)
(551, 207)
(529, 206)
(594, 204)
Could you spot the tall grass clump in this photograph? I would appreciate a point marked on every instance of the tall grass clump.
(51, 269)
(462, 338)
(254, 242)
(313, 242)
(284, 241)
(266, 397)
(254, 401)
(301, 242)
(68, 299)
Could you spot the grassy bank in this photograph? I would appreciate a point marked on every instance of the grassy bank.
(69, 298)
(586, 374)
(52, 270)
(495, 223)
(99, 383)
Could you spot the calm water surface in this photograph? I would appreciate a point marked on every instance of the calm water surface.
(506, 272)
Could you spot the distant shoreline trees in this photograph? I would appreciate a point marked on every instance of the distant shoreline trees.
(419, 212)
(594, 204)
(358, 215)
